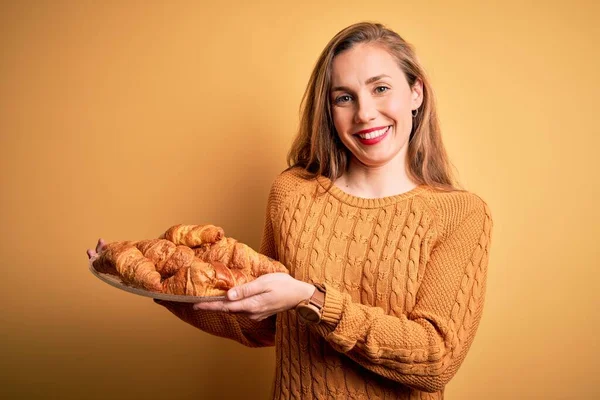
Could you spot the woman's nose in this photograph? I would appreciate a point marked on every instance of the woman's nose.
(365, 111)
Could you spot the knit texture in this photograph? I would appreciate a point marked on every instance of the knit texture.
(405, 278)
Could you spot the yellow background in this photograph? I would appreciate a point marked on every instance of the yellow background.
(120, 119)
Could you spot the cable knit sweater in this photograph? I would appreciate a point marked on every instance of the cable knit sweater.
(405, 278)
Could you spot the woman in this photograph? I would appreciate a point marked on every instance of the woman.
(387, 258)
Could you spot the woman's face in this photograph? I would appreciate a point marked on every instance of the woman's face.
(371, 104)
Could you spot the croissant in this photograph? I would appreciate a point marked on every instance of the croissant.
(236, 255)
(167, 257)
(127, 261)
(193, 235)
(205, 279)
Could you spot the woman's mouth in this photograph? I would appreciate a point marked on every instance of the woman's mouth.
(373, 137)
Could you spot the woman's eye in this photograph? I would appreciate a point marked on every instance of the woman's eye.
(343, 99)
(381, 89)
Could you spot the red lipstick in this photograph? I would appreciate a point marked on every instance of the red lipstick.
(372, 141)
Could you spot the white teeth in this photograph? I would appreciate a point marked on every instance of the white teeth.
(374, 134)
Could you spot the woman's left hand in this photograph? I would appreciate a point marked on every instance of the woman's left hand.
(265, 296)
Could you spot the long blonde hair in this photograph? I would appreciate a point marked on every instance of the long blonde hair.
(317, 147)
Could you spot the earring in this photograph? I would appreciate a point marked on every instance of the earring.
(415, 112)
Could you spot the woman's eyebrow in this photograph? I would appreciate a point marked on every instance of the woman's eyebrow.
(376, 78)
(367, 82)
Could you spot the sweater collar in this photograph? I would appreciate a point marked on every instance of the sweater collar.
(326, 185)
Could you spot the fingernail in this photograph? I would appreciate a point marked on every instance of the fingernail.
(232, 294)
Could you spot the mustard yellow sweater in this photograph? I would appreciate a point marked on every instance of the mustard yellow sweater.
(405, 278)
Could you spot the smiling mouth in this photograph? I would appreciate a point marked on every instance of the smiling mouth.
(373, 134)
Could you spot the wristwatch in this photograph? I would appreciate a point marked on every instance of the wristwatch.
(311, 310)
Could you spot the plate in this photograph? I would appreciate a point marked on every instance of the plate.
(115, 281)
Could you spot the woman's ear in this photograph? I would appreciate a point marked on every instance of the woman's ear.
(417, 93)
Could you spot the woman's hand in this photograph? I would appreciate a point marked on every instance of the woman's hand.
(99, 247)
(265, 296)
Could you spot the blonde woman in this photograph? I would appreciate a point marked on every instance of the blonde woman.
(387, 257)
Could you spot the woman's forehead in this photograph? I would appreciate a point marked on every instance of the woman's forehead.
(363, 62)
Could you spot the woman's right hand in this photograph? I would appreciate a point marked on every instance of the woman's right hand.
(99, 247)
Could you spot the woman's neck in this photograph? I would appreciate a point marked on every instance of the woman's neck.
(375, 182)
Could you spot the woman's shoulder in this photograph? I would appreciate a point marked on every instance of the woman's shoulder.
(456, 207)
(455, 199)
(288, 183)
(291, 179)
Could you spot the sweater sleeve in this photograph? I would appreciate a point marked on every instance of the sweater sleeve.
(231, 326)
(424, 348)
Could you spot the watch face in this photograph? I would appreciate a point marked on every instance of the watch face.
(308, 314)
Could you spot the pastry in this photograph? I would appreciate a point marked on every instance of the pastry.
(127, 261)
(193, 235)
(237, 255)
(205, 279)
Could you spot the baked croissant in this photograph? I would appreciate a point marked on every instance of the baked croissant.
(205, 279)
(167, 257)
(193, 235)
(125, 260)
(236, 255)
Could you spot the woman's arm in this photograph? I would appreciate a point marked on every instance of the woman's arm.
(424, 348)
(231, 326)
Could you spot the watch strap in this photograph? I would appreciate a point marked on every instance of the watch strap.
(318, 297)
